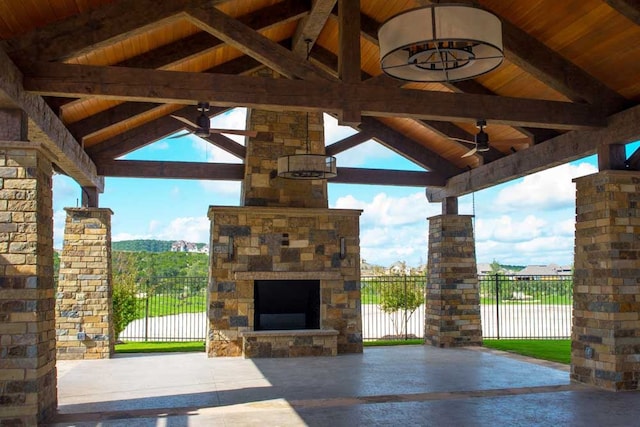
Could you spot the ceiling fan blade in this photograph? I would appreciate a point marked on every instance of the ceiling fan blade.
(466, 141)
(510, 142)
(180, 135)
(251, 133)
(185, 121)
(470, 152)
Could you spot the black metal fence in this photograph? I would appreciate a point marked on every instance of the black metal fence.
(169, 309)
(392, 307)
(514, 306)
(174, 308)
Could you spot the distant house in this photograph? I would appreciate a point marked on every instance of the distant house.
(541, 272)
(399, 268)
(483, 268)
(182, 246)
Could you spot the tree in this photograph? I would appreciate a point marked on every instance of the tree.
(400, 300)
(124, 292)
(496, 268)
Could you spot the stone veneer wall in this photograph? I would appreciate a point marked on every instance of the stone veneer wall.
(84, 295)
(281, 133)
(282, 243)
(606, 280)
(27, 333)
(453, 299)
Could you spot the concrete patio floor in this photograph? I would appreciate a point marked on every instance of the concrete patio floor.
(389, 386)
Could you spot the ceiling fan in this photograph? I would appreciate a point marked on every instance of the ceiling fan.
(202, 126)
(481, 142)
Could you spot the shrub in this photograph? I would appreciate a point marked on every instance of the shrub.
(399, 298)
(124, 296)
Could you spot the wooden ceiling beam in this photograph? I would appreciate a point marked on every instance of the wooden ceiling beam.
(370, 28)
(203, 43)
(311, 26)
(408, 148)
(176, 87)
(370, 31)
(387, 177)
(227, 144)
(171, 170)
(552, 69)
(629, 8)
(142, 135)
(121, 112)
(444, 129)
(252, 43)
(347, 143)
(69, 155)
(104, 26)
(623, 128)
(349, 67)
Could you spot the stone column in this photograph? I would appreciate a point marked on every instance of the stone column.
(282, 133)
(84, 322)
(453, 299)
(27, 334)
(605, 348)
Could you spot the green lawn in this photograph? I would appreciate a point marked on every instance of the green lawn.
(167, 304)
(159, 347)
(553, 350)
(380, 343)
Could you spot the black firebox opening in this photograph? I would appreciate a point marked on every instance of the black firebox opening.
(286, 304)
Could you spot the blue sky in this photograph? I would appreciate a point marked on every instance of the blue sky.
(526, 221)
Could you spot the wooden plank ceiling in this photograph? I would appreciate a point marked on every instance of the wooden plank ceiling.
(100, 79)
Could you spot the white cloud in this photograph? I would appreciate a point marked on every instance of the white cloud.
(392, 228)
(547, 190)
(506, 229)
(385, 210)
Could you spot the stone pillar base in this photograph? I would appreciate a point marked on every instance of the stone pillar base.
(605, 348)
(453, 300)
(27, 338)
(84, 322)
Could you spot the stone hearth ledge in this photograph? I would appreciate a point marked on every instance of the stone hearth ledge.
(287, 275)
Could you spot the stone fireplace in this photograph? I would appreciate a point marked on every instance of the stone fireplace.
(284, 269)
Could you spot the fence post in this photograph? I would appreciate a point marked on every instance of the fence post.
(497, 306)
(406, 321)
(146, 314)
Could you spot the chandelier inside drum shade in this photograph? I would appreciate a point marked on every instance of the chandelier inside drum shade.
(307, 165)
(441, 43)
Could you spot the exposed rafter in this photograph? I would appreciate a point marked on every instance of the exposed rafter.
(311, 25)
(134, 84)
(250, 42)
(370, 28)
(622, 128)
(106, 25)
(175, 170)
(235, 172)
(69, 154)
(142, 135)
(628, 8)
(347, 143)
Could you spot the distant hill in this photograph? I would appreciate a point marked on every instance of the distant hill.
(142, 245)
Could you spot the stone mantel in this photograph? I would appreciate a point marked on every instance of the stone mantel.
(288, 211)
(287, 275)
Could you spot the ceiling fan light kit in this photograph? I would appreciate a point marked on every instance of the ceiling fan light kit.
(441, 42)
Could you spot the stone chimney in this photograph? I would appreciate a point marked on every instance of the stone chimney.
(282, 133)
